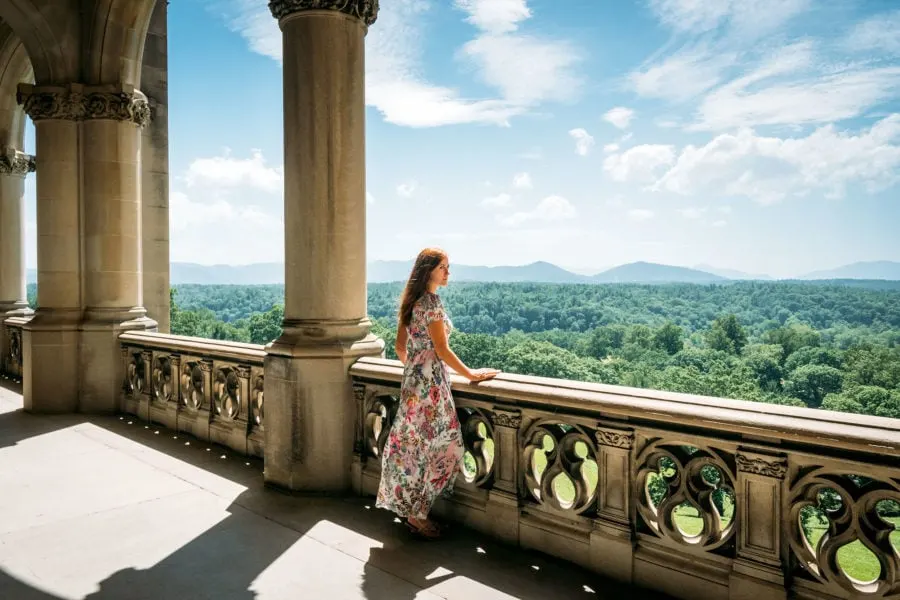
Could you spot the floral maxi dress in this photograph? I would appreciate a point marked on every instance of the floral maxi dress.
(424, 448)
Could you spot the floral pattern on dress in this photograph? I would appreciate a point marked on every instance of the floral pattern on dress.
(424, 448)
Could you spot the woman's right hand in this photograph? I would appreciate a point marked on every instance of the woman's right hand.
(483, 375)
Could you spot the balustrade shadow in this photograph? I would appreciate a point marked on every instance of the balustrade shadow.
(16, 425)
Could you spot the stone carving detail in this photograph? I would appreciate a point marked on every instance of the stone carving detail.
(616, 438)
(672, 479)
(14, 162)
(135, 374)
(379, 416)
(192, 383)
(256, 400)
(773, 466)
(852, 509)
(478, 440)
(162, 379)
(227, 393)
(505, 419)
(73, 105)
(555, 457)
(15, 349)
(364, 10)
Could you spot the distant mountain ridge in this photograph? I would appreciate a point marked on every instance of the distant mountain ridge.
(380, 271)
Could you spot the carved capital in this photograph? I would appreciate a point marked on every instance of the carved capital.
(617, 438)
(364, 10)
(506, 419)
(760, 464)
(243, 371)
(359, 392)
(78, 103)
(15, 162)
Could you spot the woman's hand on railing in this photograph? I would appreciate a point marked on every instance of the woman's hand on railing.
(479, 375)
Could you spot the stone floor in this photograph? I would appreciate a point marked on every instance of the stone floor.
(111, 508)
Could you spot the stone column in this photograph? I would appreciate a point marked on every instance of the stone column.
(503, 504)
(14, 166)
(309, 402)
(155, 170)
(612, 545)
(51, 375)
(111, 226)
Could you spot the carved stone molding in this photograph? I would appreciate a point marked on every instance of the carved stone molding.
(15, 162)
(364, 10)
(759, 464)
(506, 419)
(617, 438)
(78, 103)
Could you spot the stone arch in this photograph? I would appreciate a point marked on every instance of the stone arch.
(49, 30)
(15, 68)
(114, 47)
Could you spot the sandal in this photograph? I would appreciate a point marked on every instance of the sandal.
(429, 530)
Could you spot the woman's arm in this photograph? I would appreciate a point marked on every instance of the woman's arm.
(438, 332)
(400, 344)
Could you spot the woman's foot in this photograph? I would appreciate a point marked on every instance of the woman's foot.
(423, 527)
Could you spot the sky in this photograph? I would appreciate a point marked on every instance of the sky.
(759, 135)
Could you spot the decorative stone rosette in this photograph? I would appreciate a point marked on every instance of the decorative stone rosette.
(364, 10)
(15, 162)
(79, 103)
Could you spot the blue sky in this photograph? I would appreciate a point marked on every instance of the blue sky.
(757, 135)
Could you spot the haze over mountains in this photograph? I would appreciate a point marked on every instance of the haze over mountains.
(539, 272)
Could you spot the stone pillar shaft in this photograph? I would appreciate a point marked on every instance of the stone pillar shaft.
(310, 410)
(14, 166)
(324, 153)
(89, 244)
(155, 171)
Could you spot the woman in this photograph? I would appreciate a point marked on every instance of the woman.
(422, 455)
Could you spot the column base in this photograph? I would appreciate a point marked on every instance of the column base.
(310, 409)
(50, 372)
(100, 357)
(750, 580)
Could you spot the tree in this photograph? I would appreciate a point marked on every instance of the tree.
(669, 337)
(813, 355)
(811, 383)
(727, 335)
(265, 327)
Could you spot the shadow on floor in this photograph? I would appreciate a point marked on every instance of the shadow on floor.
(224, 561)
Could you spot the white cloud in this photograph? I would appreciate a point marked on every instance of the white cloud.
(407, 188)
(782, 90)
(682, 75)
(743, 17)
(879, 33)
(370, 199)
(616, 201)
(534, 154)
(610, 148)
(619, 116)
(495, 16)
(640, 164)
(719, 223)
(725, 210)
(769, 169)
(640, 214)
(226, 172)
(502, 60)
(522, 181)
(395, 84)
(692, 212)
(211, 219)
(551, 208)
(498, 201)
(583, 141)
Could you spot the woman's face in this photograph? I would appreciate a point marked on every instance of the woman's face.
(441, 273)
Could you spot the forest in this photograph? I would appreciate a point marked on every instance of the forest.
(819, 345)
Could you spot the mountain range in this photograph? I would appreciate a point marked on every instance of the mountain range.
(538, 272)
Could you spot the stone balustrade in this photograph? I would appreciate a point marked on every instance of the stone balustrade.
(11, 347)
(210, 389)
(697, 497)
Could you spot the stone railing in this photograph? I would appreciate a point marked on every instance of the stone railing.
(697, 497)
(11, 347)
(210, 389)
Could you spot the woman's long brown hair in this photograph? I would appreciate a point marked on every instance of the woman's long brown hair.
(428, 260)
